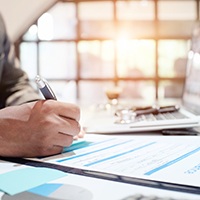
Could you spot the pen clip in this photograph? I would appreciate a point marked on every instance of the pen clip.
(45, 88)
(51, 91)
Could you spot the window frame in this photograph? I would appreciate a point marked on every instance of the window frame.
(116, 79)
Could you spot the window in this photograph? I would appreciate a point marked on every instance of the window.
(140, 45)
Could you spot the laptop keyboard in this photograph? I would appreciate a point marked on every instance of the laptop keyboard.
(144, 197)
(160, 116)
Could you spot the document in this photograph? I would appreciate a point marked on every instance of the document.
(170, 159)
(18, 178)
(76, 187)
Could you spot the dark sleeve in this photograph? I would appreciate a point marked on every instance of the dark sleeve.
(15, 88)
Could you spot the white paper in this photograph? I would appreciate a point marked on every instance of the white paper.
(171, 159)
(76, 187)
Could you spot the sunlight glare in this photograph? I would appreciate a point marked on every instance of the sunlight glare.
(45, 27)
(33, 30)
(196, 60)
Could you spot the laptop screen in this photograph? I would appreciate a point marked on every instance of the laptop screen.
(191, 93)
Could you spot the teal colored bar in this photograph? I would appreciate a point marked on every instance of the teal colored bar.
(27, 178)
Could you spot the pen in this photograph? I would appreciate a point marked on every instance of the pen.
(45, 88)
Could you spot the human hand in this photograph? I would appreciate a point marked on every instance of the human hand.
(80, 135)
(39, 128)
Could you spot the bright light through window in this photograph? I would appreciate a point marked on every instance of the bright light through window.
(45, 27)
(33, 30)
(135, 58)
(141, 45)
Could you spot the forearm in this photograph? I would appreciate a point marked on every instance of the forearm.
(15, 88)
(20, 91)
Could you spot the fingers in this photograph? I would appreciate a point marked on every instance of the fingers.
(57, 116)
(44, 128)
(69, 116)
(48, 151)
(62, 140)
(69, 126)
(64, 109)
(80, 135)
(57, 125)
(51, 146)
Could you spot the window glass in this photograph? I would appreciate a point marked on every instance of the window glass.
(177, 10)
(31, 34)
(45, 27)
(97, 29)
(199, 12)
(135, 58)
(58, 23)
(170, 89)
(57, 60)
(135, 10)
(96, 19)
(136, 29)
(64, 90)
(85, 38)
(96, 59)
(95, 10)
(93, 92)
(28, 58)
(172, 57)
(138, 90)
(175, 29)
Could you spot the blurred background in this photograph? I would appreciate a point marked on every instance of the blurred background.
(83, 46)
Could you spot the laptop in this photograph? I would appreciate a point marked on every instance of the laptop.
(185, 115)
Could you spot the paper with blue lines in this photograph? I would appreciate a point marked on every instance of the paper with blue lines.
(172, 159)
